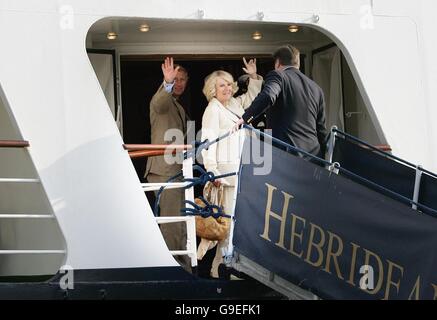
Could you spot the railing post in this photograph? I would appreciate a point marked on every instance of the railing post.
(229, 255)
(191, 240)
(331, 143)
(187, 169)
(417, 186)
(230, 248)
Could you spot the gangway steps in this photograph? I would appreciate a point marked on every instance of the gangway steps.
(242, 264)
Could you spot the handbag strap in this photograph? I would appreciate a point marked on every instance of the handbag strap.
(213, 194)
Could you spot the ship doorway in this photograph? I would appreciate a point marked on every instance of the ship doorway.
(104, 65)
(204, 46)
(141, 76)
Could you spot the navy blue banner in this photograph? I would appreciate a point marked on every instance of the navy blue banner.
(333, 236)
(368, 164)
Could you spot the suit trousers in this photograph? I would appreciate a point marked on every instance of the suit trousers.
(175, 234)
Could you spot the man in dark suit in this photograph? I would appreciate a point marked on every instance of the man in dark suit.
(294, 104)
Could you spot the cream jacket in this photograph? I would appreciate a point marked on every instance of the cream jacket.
(224, 157)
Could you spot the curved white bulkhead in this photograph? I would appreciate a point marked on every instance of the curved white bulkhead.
(58, 105)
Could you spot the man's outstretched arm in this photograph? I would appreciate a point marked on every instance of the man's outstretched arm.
(161, 100)
(264, 100)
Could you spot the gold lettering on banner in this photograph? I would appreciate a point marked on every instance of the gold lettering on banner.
(389, 278)
(334, 255)
(312, 251)
(380, 267)
(270, 213)
(318, 246)
(294, 234)
(353, 262)
(416, 290)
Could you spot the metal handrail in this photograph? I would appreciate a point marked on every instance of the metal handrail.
(375, 148)
(145, 153)
(383, 147)
(337, 166)
(388, 155)
(395, 194)
(152, 150)
(289, 148)
(133, 147)
(14, 144)
(419, 170)
(428, 172)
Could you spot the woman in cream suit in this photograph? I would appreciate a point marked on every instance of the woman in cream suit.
(220, 116)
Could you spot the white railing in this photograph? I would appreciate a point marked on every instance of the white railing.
(190, 221)
(191, 244)
(13, 180)
(27, 216)
(168, 185)
(15, 252)
(24, 144)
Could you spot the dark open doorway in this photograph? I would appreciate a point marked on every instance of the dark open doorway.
(141, 77)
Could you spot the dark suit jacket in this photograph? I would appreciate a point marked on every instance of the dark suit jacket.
(295, 109)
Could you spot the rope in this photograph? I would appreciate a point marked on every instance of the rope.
(202, 180)
(158, 195)
(205, 177)
(204, 212)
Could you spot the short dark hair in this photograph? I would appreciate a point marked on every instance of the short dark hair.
(287, 56)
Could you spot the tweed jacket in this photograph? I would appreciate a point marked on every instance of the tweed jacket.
(165, 113)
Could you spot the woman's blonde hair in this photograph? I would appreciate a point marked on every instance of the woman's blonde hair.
(211, 80)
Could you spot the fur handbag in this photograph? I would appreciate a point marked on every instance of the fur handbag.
(211, 228)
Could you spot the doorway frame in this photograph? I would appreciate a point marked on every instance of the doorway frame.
(115, 70)
(323, 49)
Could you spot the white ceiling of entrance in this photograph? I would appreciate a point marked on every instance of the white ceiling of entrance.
(165, 31)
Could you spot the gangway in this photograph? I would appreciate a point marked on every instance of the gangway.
(315, 228)
(314, 224)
